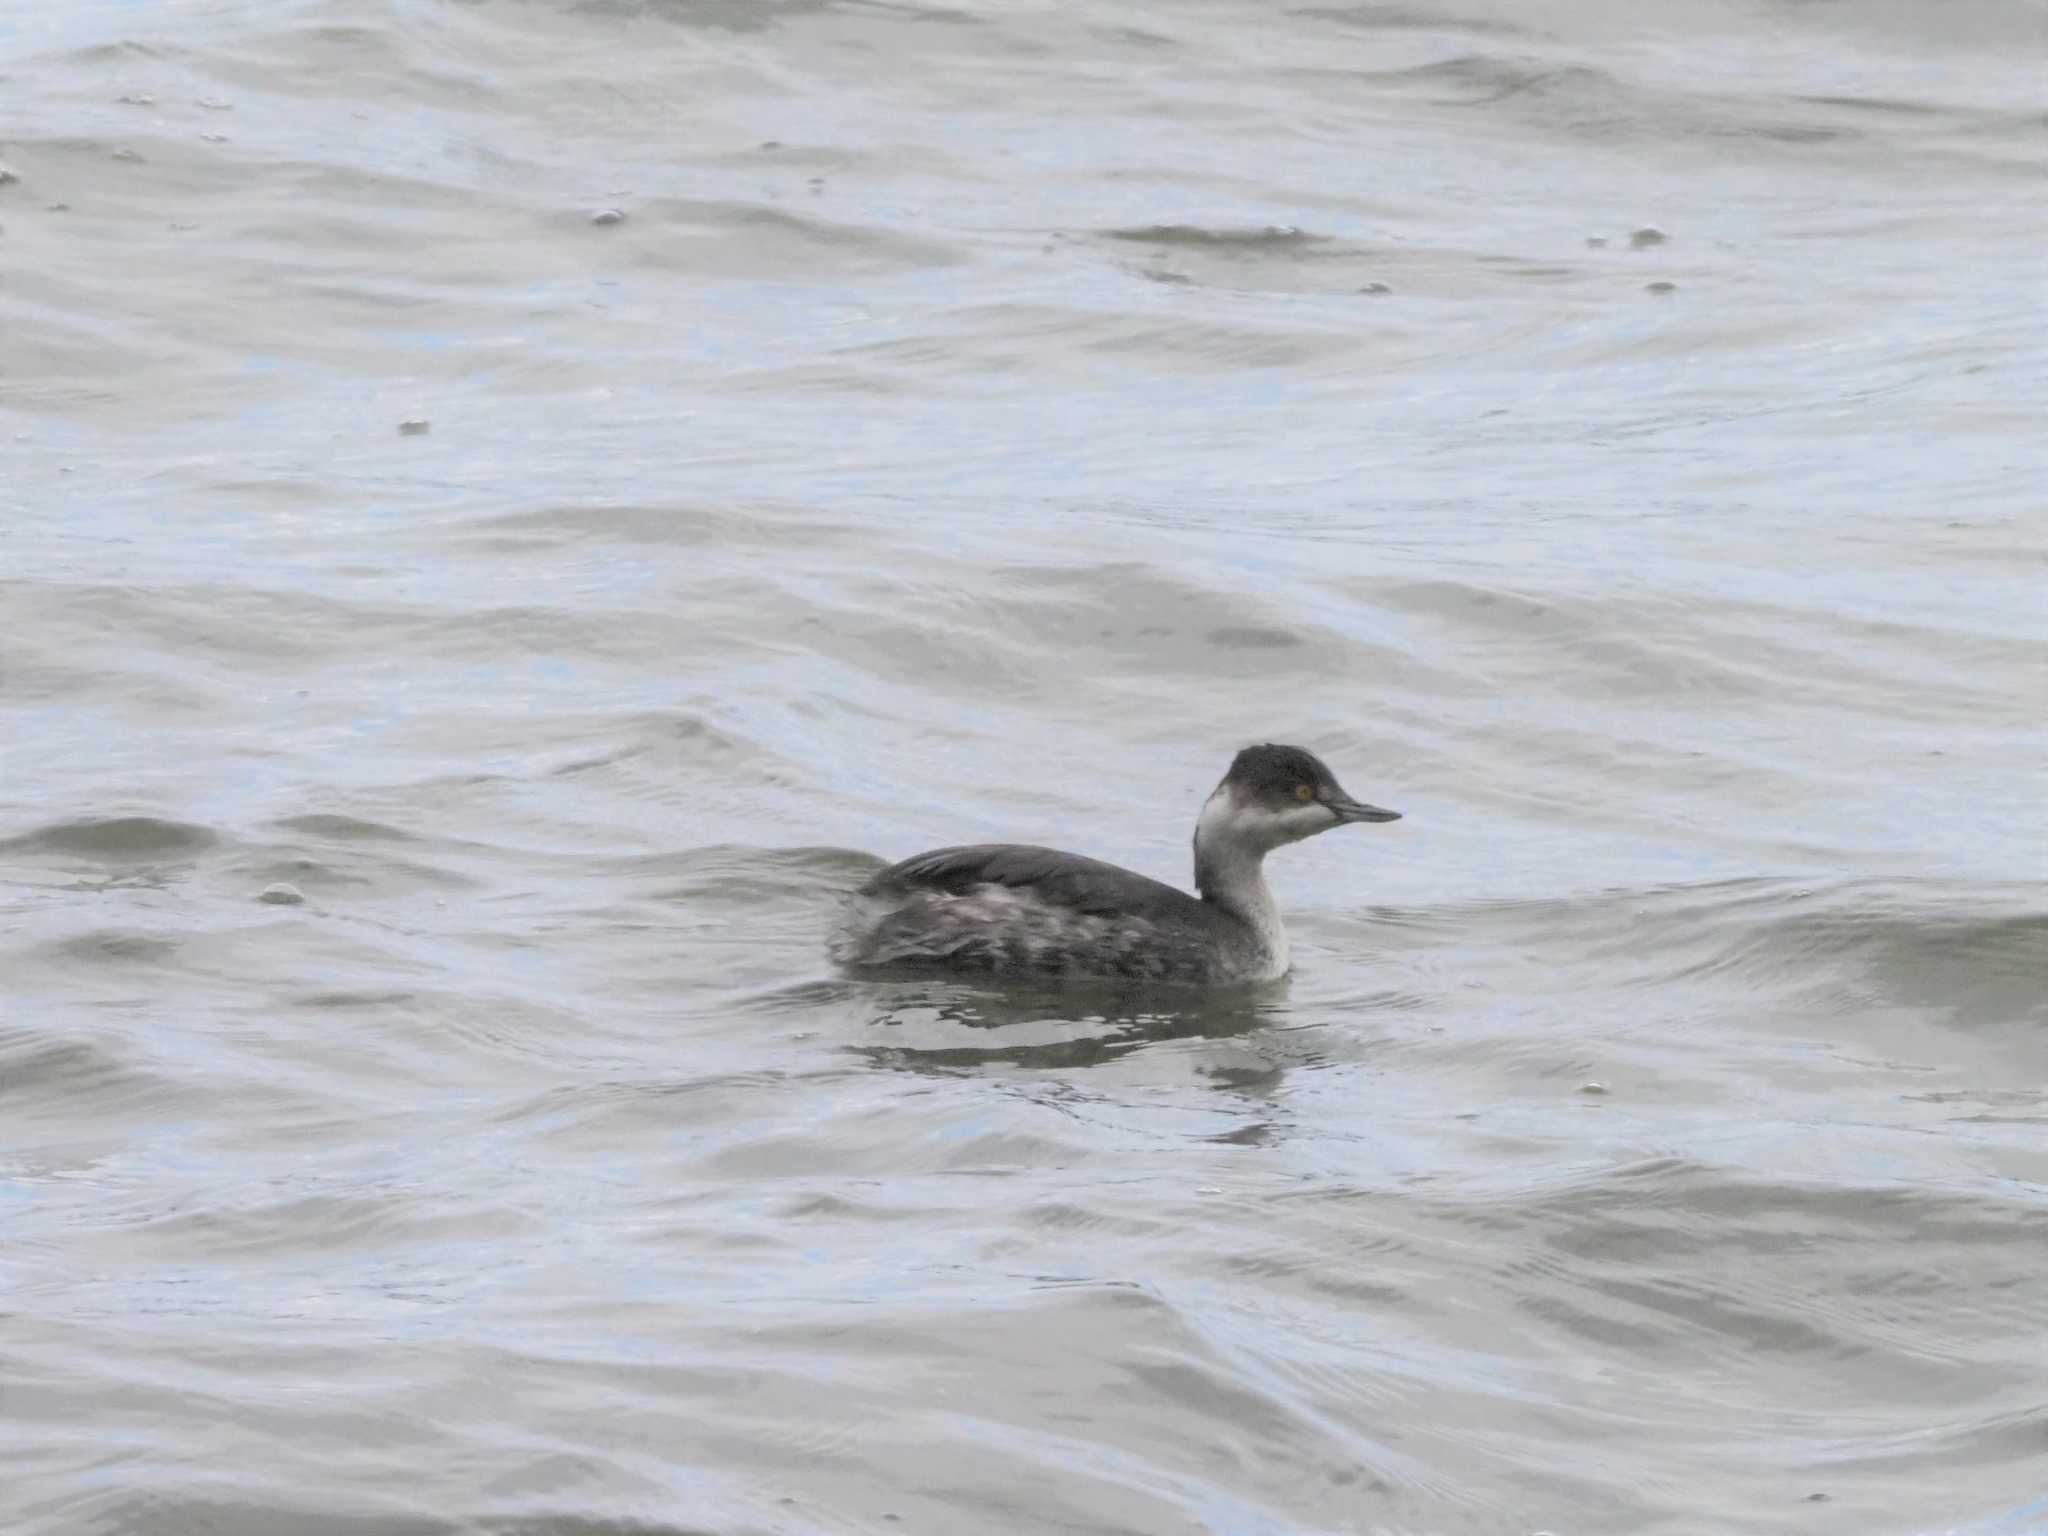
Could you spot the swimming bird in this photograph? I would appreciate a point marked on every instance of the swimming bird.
(1013, 910)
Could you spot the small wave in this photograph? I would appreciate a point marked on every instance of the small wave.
(114, 839)
(1403, 18)
(343, 828)
(71, 1077)
(113, 946)
(742, 874)
(1273, 237)
(1928, 945)
(548, 529)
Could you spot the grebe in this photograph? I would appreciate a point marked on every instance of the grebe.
(1015, 910)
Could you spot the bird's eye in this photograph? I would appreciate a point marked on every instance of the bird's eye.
(1304, 791)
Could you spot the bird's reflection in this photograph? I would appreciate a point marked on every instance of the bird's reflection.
(1063, 1028)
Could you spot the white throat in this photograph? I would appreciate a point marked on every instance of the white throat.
(1230, 856)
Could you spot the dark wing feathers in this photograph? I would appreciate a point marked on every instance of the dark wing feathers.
(1059, 879)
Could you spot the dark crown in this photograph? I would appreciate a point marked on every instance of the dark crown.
(1272, 771)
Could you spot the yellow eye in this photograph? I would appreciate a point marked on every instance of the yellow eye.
(1304, 792)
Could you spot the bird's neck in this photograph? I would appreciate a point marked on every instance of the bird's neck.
(1231, 876)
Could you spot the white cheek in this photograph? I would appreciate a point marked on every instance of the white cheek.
(1308, 820)
(1227, 821)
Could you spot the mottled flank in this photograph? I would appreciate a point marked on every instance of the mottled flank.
(1011, 909)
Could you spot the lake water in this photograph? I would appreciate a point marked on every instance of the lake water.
(564, 487)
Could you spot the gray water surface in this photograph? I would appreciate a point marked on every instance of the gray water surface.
(1609, 435)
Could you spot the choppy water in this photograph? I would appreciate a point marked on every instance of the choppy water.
(980, 422)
